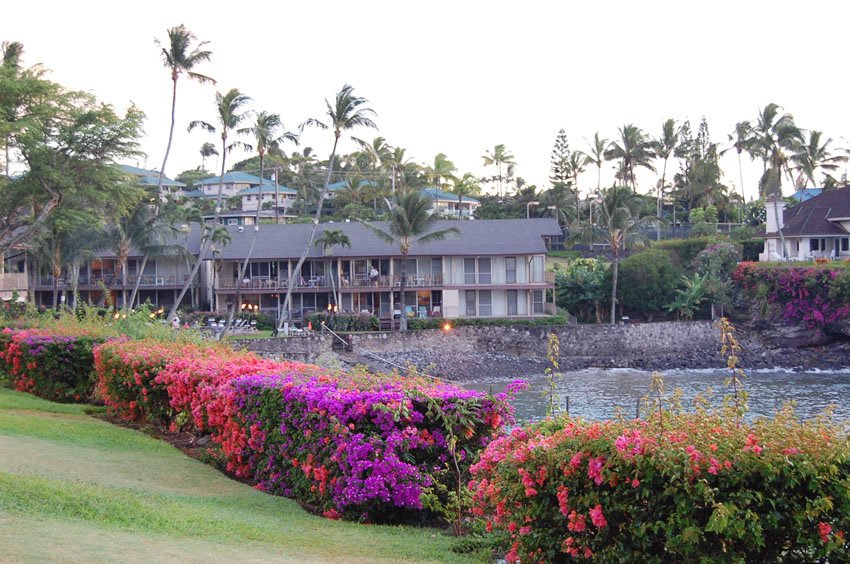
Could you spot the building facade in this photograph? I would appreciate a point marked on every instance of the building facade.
(818, 227)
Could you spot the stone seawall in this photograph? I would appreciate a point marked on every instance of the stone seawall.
(308, 348)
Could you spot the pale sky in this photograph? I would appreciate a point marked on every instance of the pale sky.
(459, 77)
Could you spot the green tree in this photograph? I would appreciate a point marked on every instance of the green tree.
(596, 156)
(498, 157)
(180, 57)
(329, 239)
(741, 140)
(618, 224)
(207, 150)
(812, 156)
(347, 112)
(559, 167)
(441, 172)
(647, 280)
(465, 187)
(633, 150)
(230, 108)
(664, 147)
(410, 223)
(12, 52)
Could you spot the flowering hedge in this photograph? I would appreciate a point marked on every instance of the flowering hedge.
(817, 297)
(54, 367)
(357, 446)
(701, 488)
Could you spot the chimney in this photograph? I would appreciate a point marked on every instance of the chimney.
(774, 207)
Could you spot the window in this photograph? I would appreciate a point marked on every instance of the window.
(845, 244)
(512, 302)
(537, 269)
(470, 303)
(232, 221)
(485, 303)
(469, 271)
(537, 301)
(484, 271)
(258, 270)
(510, 270)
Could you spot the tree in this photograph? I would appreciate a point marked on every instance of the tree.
(329, 239)
(497, 158)
(464, 187)
(69, 143)
(618, 225)
(441, 172)
(633, 150)
(774, 137)
(596, 156)
(347, 112)
(664, 148)
(231, 114)
(180, 57)
(410, 223)
(12, 52)
(811, 156)
(207, 150)
(559, 167)
(741, 140)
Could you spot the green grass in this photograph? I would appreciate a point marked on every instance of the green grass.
(74, 488)
(264, 334)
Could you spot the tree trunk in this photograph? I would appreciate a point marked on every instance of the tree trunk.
(75, 284)
(402, 323)
(614, 273)
(660, 200)
(206, 240)
(138, 280)
(290, 286)
(170, 137)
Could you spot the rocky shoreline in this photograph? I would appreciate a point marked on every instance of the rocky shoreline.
(761, 350)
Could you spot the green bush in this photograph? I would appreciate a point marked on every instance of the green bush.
(646, 282)
(345, 321)
(683, 251)
(751, 248)
(565, 254)
(580, 288)
(686, 488)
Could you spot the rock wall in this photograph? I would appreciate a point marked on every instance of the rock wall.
(304, 349)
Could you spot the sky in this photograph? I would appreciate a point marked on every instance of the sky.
(459, 77)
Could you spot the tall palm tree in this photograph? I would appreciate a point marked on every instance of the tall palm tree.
(634, 150)
(207, 150)
(618, 224)
(329, 239)
(497, 158)
(410, 223)
(775, 137)
(664, 148)
(180, 57)
(265, 132)
(231, 114)
(347, 112)
(151, 235)
(464, 187)
(811, 156)
(596, 156)
(576, 163)
(741, 140)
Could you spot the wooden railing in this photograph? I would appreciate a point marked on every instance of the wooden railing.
(13, 281)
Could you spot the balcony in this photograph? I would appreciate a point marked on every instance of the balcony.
(356, 282)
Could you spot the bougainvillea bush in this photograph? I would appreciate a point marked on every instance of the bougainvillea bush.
(698, 488)
(54, 367)
(378, 449)
(815, 296)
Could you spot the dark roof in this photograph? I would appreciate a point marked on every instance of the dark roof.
(478, 237)
(188, 238)
(232, 177)
(149, 177)
(817, 216)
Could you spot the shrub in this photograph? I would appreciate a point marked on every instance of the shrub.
(698, 489)
(646, 282)
(580, 288)
(383, 450)
(751, 249)
(683, 251)
(54, 367)
(345, 322)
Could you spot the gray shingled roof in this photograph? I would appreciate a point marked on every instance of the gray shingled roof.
(812, 217)
(478, 237)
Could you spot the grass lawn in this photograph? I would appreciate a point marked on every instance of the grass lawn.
(264, 334)
(77, 489)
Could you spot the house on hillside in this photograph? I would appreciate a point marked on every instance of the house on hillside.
(494, 268)
(816, 227)
(265, 194)
(231, 184)
(150, 179)
(450, 205)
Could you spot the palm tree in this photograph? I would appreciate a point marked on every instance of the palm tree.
(229, 108)
(441, 172)
(464, 187)
(618, 225)
(180, 57)
(774, 137)
(139, 229)
(151, 233)
(634, 150)
(497, 158)
(410, 223)
(12, 51)
(329, 239)
(741, 140)
(347, 112)
(811, 156)
(575, 165)
(265, 131)
(664, 147)
(207, 150)
(596, 156)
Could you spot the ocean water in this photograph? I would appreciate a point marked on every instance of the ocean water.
(603, 393)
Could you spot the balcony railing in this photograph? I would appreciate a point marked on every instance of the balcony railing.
(325, 282)
(111, 281)
(13, 281)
